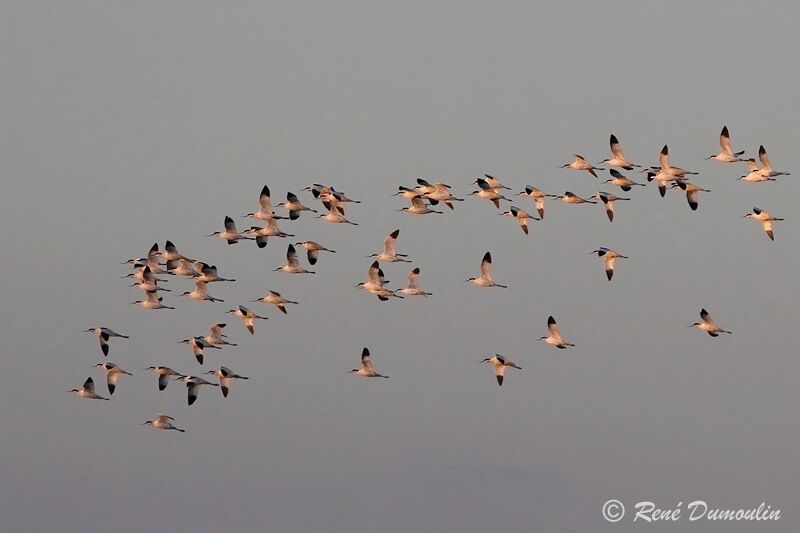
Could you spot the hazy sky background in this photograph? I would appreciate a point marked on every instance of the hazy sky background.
(129, 123)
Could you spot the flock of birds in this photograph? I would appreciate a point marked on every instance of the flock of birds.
(423, 198)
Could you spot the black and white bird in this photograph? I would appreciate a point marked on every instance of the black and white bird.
(294, 206)
(335, 214)
(366, 370)
(292, 265)
(413, 285)
(208, 273)
(580, 163)
(389, 253)
(216, 337)
(418, 206)
(766, 167)
(87, 391)
(198, 344)
(766, 220)
(231, 235)
(277, 300)
(436, 192)
(521, 216)
(162, 422)
(265, 211)
(500, 364)
(609, 259)
(103, 335)
(554, 339)
(313, 249)
(200, 292)
(624, 183)
(726, 153)
(152, 301)
(113, 372)
(270, 229)
(163, 373)
(608, 200)
(485, 279)
(487, 192)
(225, 375)
(571, 198)
(692, 192)
(708, 325)
(183, 268)
(538, 198)
(193, 384)
(617, 156)
(247, 316)
(376, 283)
(171, 253)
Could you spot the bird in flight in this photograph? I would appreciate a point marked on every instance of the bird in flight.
(708, 325)
(500, 364)
(366, 370)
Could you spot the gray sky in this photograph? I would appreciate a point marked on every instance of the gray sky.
(129, 123)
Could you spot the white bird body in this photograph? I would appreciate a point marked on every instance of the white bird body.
(231, 235)
(216, 337)
(103, 335)
(87, 391)
(277, 300)
(248, 316)
(617, 156)
(151, 302)
(270, 229)
(207, 273)
(580, 163)
(183, 268)
(708, 325)
(608, 200)
(265, 211)
(335, 214)
(570, 198)
(312, 250)
(200, 292)
(294, 206)
(726, 154)
(609, 259)
(389, 253)
(692, 192)
(487, 192)
(162, 422)
(766, 220)
(193, 384)
(225, 375)
(163, 373)
(485, 279)
(555, 339)
(621, 181)
(413, 287)
(198, 344)
(171, 253)
(521, 217)
(418, 206)
(113, 372)
(366, 370)
(538, 198)
(292, 265)
(500, 364)
(755, 175)
(766, 167)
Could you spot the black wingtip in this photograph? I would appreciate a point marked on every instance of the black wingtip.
(487, 257)
(551, 320)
